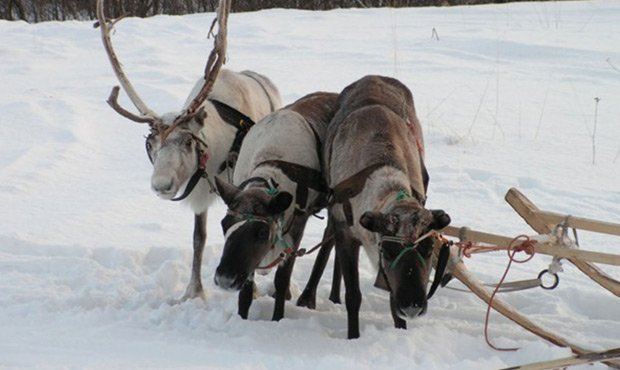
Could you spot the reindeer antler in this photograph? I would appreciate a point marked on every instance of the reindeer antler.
(217, 57)
(214, 64)
(148, 116)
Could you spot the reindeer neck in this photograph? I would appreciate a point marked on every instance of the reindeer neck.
(385, 186)
(219, 136)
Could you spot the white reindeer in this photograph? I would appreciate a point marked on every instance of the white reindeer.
(188, 148)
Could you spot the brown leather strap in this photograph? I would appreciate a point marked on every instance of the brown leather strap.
(351, 187)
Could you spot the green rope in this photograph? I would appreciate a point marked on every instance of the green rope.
(402, 194)
(271, 191)
(402, 253)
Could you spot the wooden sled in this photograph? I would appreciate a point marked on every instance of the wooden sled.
(543, 223)
(570, 361)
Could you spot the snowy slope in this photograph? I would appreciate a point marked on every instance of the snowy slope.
(89, 257)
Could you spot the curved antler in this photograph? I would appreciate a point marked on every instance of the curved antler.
(214, 64)
(148, 116)
(217, 57)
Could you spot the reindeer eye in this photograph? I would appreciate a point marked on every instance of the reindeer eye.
(188, 142)
(262, 233)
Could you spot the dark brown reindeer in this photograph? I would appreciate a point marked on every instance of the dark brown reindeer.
(188, 148)
(374, 164)
(278, 185)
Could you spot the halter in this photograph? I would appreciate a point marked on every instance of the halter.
(275, 230)
(241, 123)
(412, 246)
(245, 218)
(201, 169)
(275, 224)
(408, 246)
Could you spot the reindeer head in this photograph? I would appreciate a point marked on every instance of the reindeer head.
(176, 154)
(252, 226)
(404, 261)
(174, 145)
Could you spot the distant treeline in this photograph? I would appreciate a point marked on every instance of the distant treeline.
(60, 10)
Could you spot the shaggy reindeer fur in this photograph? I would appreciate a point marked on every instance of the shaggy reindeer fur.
(291, 136)
(373, 157)
(177, 159)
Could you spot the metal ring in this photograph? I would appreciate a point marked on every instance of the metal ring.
(555, 283)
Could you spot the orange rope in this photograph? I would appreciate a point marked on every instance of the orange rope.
(469, 248)
(526, 246)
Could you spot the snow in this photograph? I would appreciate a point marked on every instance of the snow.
(90, 257)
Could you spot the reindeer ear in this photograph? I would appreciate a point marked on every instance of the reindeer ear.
(225, 190)
(373, 221)
(440, 219)
(280, 202)
(200, 116)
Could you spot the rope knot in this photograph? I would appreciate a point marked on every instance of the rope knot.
(527, 246)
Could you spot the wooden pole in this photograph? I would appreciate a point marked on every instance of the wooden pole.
(531, 214)
(547, 248)
(459, 271)
(586, 358)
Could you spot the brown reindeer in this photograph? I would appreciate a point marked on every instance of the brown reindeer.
(374, 162)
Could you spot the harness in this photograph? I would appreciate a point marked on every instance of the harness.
(234, 118)
(305, 178)
(409, 246)
(275, 224)
(237, 120)
(352, 186)
(201, 169)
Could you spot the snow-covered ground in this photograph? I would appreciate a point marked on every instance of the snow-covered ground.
(89, 256)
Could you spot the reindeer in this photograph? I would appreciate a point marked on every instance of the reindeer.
(188, 148)
(278, 185)
(374, 163)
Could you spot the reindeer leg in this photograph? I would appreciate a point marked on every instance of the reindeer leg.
(246, 294)
(194, 288)
(347, 252)
(334, 294)
(398, 322)
(308, 296)
(282, 282)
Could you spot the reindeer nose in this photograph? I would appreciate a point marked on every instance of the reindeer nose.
(162, 185)
(226, 281)
(413, 311)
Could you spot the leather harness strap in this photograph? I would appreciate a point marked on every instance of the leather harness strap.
(305, 178)
(237, 120)
(234, 118)
(349, 188)
(352, 186)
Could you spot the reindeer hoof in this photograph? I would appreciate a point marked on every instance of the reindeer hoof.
(193, 291)
(335, 298)
(307, 299)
